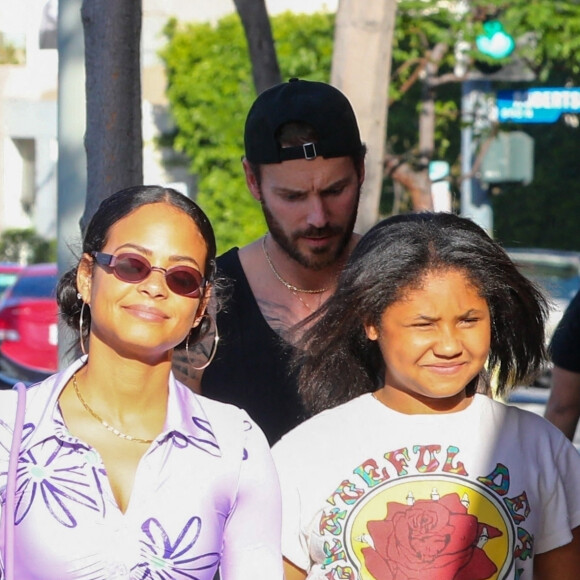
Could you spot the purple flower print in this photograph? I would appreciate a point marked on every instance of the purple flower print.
(247, 427)
(203, 438)
(61, 488)
(167, 561)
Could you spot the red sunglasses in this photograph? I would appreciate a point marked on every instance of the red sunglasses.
(134, 268)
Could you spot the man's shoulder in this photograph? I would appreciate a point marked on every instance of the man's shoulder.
(241, 262)
(226, 260)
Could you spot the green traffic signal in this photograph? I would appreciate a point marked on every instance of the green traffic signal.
(495, 42)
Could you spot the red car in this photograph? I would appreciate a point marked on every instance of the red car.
(28, 325)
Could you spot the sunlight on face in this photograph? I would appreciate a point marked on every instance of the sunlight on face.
(146, 319)
(311, 207)
(433, 341)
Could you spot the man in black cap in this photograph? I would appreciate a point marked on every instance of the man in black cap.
(304, 163)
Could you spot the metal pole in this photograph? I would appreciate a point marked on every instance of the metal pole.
(72, 165)
(475, 202)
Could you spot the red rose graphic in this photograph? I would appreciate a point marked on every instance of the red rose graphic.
(435, 539)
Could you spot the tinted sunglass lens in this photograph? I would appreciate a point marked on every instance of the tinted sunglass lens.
(132, 269)
(184, 281)
(181, 280)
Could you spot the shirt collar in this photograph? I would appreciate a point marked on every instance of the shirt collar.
(186, 422)
(186, 418)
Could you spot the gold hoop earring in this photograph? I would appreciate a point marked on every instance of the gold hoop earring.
(81, 340)
(216, 339)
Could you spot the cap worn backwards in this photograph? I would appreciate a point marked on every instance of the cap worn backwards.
(317, 104)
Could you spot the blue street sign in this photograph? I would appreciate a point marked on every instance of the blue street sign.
(537, 105)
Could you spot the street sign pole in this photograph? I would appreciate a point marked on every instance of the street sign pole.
(475, 201)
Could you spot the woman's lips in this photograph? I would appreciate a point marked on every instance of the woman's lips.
(146, 312)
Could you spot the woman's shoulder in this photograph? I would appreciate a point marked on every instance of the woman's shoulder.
(223, 413)
(8, 401)
(29, 397)
(231, 425)
(216, 410)
(32, 393)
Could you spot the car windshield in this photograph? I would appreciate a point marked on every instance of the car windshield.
(6, 280)
(561, 281)
(34, 287)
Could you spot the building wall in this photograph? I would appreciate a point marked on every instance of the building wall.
(28, 135)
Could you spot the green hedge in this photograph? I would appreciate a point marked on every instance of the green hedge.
(210, 90)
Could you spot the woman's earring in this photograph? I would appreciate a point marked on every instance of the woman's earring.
(81, 338)
(216, 339)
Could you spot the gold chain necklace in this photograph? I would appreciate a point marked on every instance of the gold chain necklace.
(290, 287)
(102, 421)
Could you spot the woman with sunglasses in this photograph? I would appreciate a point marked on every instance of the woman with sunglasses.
(123, 472)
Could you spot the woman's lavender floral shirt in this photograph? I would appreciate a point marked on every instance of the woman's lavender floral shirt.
(205, 495)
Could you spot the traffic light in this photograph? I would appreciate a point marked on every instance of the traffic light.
(495, 42)
(493, 47)
(496, 55)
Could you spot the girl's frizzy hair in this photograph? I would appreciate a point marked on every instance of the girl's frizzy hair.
(337, 362)
(110, 211)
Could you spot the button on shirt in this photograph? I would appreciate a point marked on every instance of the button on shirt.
(205, 495)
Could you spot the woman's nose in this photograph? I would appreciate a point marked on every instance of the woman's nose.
(155, 284)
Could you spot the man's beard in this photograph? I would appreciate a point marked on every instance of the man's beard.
(319, 258)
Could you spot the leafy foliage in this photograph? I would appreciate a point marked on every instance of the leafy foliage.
(11, 53)
(543, 213)
(210, 90)
(24, 245)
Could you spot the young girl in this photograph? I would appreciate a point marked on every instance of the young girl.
(122, 471)
(411, 470)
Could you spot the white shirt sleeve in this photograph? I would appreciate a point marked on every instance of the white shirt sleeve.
(561, 483)
(252, 534)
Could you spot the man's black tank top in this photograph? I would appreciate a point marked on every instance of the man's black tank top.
(251, 367)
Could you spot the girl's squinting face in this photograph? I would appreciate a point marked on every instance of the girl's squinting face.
(145, 319)
(433, 341)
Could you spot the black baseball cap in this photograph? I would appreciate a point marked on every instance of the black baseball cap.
(320, 105)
